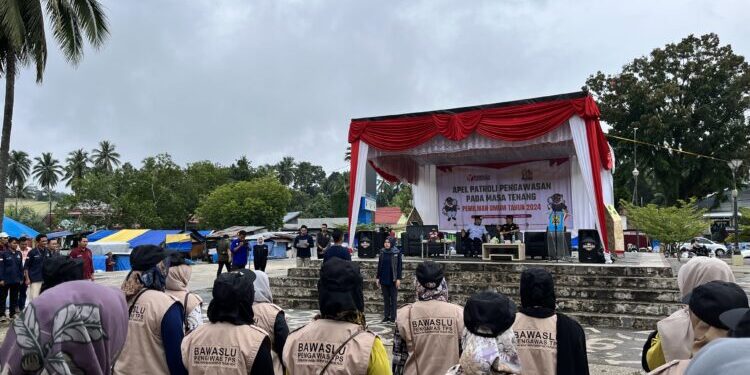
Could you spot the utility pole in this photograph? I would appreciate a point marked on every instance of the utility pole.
(635, 184)
(734, 165)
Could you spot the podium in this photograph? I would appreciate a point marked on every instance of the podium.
(557, 246)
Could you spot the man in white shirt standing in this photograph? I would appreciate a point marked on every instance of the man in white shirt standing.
(477, 233)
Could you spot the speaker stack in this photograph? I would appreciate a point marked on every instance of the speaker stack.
(366, 245)
(590, 249)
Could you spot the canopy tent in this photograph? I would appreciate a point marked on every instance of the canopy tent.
(152, 237)
(60, 234)
(410, 147)
(17, 229)
(98, 235)
(124, 235)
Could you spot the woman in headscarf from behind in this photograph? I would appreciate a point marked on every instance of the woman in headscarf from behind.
(489, 344)
(231, 343)
(78, 327)
(674, 336)
(177, 287)
(156, 321)
(548, 342)
(270, 318)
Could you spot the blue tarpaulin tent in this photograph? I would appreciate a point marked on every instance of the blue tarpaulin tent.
(53, 235)
(16, 229)
(152, 237)
(98, 235)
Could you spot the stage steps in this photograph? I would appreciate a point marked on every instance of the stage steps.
(616, 296)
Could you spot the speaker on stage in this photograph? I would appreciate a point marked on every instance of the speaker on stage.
(536, 244)
(366, 245)
(590, 248)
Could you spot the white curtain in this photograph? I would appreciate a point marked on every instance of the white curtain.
(425, 194)
(580, 140)
(359, 188)
(584, 215)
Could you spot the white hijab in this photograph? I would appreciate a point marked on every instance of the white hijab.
(262, 288)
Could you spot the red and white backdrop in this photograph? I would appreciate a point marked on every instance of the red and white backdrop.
(524, 190)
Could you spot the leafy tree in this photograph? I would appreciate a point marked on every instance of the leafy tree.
(307, 177)
(47, 172)
(29, 217)
(78, 165)
(23, 41)
(19, 167)
(404, 199)
(261, 202)
(241, 169)
(671, 224)
(744, 220)
(286, 169)
(105, 158)
(692, 95)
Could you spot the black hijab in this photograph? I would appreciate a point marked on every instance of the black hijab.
(537, 292)
(233, 295)
(340, 288)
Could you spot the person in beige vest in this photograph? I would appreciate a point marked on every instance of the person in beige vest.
(427, 336)
(270, 318)
(706, 303)
(548, 342)
(231, 344)
(155, 324)
(177, 282)
(489, 345)
(337, 342)
(673, 338)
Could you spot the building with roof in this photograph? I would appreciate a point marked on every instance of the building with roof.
(389, 216)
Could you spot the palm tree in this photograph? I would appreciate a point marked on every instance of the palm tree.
(19, 167)
(20, 191)
(105, 157)
(78, 165)
(285, 168)
(47, 172)
(23, 41)
(348, 153)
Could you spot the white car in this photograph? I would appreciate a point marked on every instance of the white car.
(716, 249)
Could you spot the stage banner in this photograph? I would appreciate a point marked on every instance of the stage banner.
(532, 192)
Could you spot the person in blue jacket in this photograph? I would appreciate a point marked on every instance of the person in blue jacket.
(388, 278)
(11, 277)
(337, 250)
(33, 268)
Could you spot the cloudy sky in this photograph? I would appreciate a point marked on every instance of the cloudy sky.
(217, 79)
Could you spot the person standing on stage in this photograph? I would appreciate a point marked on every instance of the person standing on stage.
(83, 252)
(510, 229)
(222, 248)
(322, 241)
(477, 233)
(239, 248)
(260, 254)
(303, 242)
(427, 337)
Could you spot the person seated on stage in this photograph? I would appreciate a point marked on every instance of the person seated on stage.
(509, 230)
(427, 336)
(434, 235)
(477, 233)
(548, 341)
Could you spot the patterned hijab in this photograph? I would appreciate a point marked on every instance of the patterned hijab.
(488, 355)
(439, 293)
(77, 327)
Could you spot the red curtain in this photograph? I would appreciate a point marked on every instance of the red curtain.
(513, 123)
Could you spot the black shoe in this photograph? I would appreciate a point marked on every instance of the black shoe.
(385, 320)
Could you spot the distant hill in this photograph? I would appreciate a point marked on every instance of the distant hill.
(40, 207)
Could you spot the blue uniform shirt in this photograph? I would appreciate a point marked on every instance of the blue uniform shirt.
(239, 257)
(34, 263)
(11, 268)
(476, 231)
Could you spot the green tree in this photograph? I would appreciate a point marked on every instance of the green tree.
(404, 199)
(692, 95)
(47, 172)
(286, 169)
(670, 224)
(308, 177)
(23, 41)
(76, 167)
(744, 220)
(105, 158)
(262, 202)
(19, 167)
(241, 169)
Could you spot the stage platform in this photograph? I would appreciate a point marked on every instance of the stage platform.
(634, 292)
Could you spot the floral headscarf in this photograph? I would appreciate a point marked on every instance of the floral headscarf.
(77, 327)
(155, 278)
(440, 293)
(488, 355)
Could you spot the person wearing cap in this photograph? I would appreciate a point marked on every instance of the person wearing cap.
(33, 271)
(548, 342)
(724, 356)
(489, 344)
(738, 321)
(673, 337)
(231, 343)
(427, 337)
(260, 254)
(81, 251)
(706, 303)
(177, 282)
(270, 318)
(337, 341)
(4, 241)
(476, 233)
(388, 277)
(11, 277)
(58, 270)
(156, 323)
(337, 250)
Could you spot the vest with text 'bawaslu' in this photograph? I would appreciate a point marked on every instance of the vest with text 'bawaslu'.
(222, 349)
(432, 332)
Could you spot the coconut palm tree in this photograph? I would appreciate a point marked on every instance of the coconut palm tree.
(23, 41)
(105, 158)
(286, 168)
(78, 165)
(19, 167)
(47, 172)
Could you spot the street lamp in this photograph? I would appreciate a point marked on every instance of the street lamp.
(734, 165)
(635, 184)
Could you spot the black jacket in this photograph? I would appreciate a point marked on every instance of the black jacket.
(11, 269)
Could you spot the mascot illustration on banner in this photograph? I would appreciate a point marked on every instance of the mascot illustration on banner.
(450, 208)
(558, 211)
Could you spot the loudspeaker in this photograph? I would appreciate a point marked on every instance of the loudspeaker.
(536, 244)
(366, 244)
(596, 252)
(409, 246)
